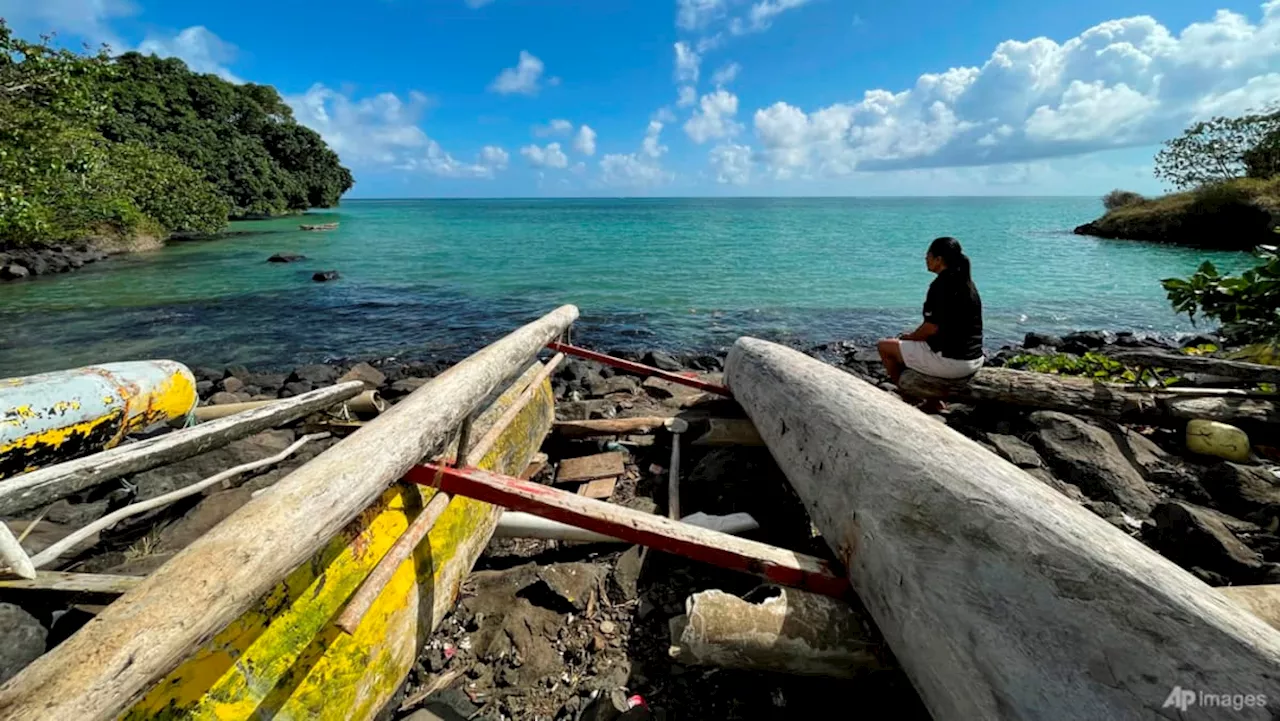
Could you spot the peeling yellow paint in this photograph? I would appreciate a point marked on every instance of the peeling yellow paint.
(286, 660)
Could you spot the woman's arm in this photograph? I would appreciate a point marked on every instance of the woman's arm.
(925, 330)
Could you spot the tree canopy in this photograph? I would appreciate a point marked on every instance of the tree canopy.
(91, 144)
(1221, 149)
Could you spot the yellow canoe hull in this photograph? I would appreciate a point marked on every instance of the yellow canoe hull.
(285, 659)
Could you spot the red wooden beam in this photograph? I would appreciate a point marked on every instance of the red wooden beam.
(780, 566)
(640, 368)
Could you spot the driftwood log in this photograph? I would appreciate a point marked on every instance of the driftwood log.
(46, 485)
(791, 632)
(145, 634)
(1082, 395)
(1000, 597)
(1183, 363)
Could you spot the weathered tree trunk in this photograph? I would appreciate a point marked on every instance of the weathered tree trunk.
(1081, 395)
(1000, 597)
(46, 485)
(111, 662)
(1254, 372)
(792, 632)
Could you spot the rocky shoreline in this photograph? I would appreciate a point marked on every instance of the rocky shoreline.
(22, 263)
(558, 630)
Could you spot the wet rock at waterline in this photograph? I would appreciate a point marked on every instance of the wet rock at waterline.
(324, 276)
(286, 258)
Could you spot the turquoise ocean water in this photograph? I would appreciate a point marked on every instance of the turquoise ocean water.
(440, 277)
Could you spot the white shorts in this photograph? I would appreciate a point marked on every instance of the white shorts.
(920, 358)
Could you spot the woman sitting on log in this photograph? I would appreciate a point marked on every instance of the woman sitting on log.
(948, 344)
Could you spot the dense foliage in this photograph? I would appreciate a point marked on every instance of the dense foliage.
(1222, 149)
(1121, 198)
(1247, 305)
(95, 146)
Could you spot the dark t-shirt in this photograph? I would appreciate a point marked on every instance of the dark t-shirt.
(954, 306)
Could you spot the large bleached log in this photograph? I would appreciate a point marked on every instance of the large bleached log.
(1183, 363)
(49, 484)
(1000, 597)
(791, 632)
(145, 634)
(1082, 395)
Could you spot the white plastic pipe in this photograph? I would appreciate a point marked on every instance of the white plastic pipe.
(517, 524)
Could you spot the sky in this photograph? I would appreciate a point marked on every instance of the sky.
(554, 98)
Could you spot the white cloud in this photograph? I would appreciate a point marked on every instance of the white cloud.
(687, 62)
(731, 163)
(377, 130)
(762, 14)
(559, 126)
(199, 48)
(664, 115)
(696, 14)
(651, 145)
(585, 142)
(1122, 83)
(494, 157)
(524, 78)
(438, 162)
(473, 4)
(688, 96)
(637, 170)
(87, 19)
(714, 117)
(549, 157)
(726, 74)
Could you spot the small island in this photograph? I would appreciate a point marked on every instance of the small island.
(1227, 172)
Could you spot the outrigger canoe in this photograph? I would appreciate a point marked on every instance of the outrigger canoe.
(240, 624)
(53, 417)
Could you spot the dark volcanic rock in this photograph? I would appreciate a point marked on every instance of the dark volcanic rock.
(1196, 537)
(322, 276)
(1089, 457)
(1041, 340)
(1201, 339)
(316, 374)
(1015, 450)
(204, 388)
(13, 271)
(286, 258)
(661, 359)
(232, 384)
(24, 640)
(1082, 342)
(1246, 491)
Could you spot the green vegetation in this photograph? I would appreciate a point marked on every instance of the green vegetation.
(1228, 174)
(92, 146)
(1090, 365)
(1247, 305)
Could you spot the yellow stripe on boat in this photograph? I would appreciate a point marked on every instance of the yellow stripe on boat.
(54, 417)
(284, 659)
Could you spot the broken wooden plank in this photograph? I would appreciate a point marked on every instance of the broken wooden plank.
(89, 588)
(599, 488)
(1084, 395)
(610, 426)
(589, 468)
(47, 485)
(1184, 363)
(1000, 597)
(786, 568)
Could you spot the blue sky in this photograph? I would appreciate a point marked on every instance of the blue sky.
(428, 98)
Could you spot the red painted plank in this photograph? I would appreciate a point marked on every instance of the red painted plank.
(639, 368)
(778, 565)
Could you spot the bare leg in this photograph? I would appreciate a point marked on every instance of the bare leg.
(891, 355)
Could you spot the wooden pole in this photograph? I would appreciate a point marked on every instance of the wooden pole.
(60, 587)
(1000, 597)
(1082, 395)
(144, 635)
(46, 485)
(610, 426)
(783, 567)
(12, 555)
(54, 552)
(399, 552)
(1183, 363)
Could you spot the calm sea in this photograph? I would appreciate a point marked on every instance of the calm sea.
(431, 277)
